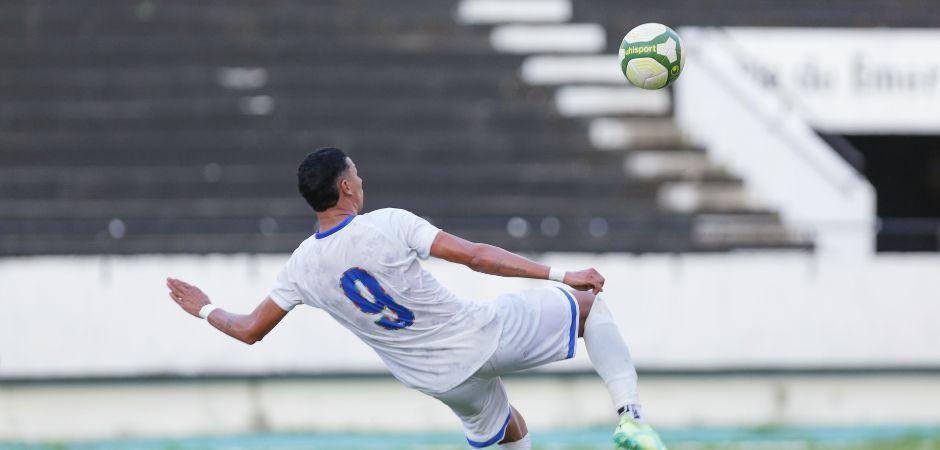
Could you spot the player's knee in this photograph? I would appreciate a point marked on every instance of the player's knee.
(594, 312)
(585, 304)
(517, 428)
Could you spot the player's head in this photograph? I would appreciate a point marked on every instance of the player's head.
(327, 177)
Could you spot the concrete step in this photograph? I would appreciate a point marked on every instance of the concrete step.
(609, 133)
(690, 165)
(746, 231)
(696, 197)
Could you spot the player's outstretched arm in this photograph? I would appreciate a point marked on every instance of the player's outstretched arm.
(493, 260)
(248, 328)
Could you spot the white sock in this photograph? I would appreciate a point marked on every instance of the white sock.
(634, 412)
(522, 444)
(611, 357)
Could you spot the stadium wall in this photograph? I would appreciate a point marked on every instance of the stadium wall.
(168, 408)
(110, 316)
(91, 347)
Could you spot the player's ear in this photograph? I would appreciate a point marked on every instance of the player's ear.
(345, 187)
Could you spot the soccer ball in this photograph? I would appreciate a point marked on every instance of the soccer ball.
(651, 56)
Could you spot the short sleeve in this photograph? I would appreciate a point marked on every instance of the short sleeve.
(284, 291)
(417, 232)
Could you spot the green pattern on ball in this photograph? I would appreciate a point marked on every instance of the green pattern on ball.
(648, 49)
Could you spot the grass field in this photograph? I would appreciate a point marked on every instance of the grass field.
(703, 439)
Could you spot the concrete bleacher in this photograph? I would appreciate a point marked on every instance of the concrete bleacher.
(618, 18)
(171, 126)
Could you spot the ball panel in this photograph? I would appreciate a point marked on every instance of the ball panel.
(645, 32)
(641, 70)
(633, 76)
(669, 49)
(658, 82)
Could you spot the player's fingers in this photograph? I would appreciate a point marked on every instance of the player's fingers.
(176, 290)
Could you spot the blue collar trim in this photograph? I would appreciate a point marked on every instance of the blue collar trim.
(321, 235)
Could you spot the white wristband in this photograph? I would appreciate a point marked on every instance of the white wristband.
(556, 274)
(206, 310)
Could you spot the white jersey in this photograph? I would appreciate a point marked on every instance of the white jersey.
(365, 273)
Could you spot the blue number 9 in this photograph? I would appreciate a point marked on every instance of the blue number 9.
(367, 294)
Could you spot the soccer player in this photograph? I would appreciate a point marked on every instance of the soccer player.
(363, 269)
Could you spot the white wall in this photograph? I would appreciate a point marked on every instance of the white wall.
(79, 316)
(849, 80)
(128, 410)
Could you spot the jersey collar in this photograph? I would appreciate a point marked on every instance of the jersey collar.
(323, 234)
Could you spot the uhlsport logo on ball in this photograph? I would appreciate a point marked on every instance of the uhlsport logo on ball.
(651, 56)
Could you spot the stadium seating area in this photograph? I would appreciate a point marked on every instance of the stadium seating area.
(757, 13)
(172, 126)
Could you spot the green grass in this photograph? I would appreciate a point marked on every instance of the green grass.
(700, 439)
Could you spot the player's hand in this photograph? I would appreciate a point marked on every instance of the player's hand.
(189, 297)
(585, 280)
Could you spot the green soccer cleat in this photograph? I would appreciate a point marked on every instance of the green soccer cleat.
(631, 435)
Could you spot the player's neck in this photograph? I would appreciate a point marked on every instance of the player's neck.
(334, 216)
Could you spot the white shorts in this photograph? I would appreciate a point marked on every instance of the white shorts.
(539, 326)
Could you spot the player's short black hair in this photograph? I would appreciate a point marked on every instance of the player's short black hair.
(317, 175)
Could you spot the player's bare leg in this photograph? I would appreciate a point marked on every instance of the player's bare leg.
(517, 433)
(611, 359)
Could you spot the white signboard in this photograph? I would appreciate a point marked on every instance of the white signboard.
(853, 81)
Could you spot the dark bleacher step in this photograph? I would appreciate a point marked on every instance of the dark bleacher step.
(158, 76)
(140, 192)
(469, 203)
(202, 147)
(329, 112)
(562, 179)
(534, 225)
(637, 242)
(70, 18)
(464, 172)
(102, 243)
(176, 11)
(739, 230)
(163, 83)
(251, 52)
(636, 234)
(616, 15)
(323, 26)
(303, 44)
